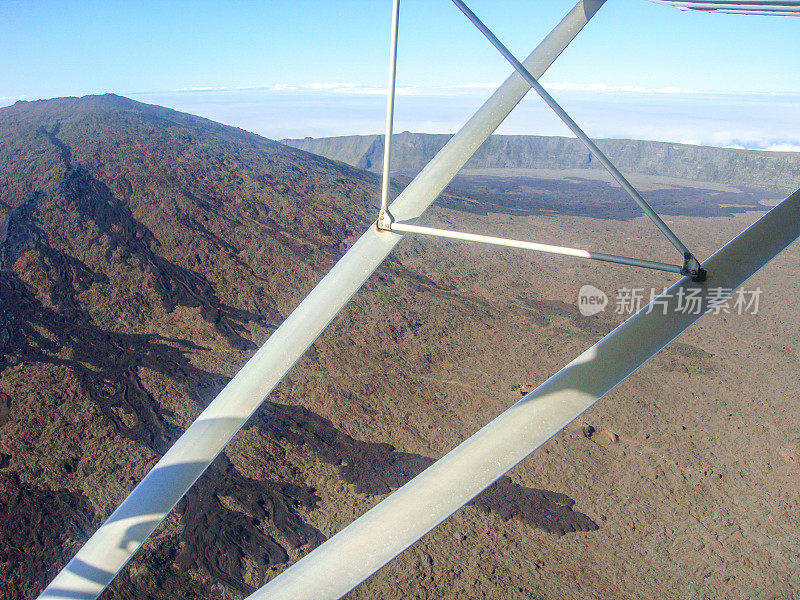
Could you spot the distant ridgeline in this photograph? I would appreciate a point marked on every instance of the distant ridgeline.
(775, 171)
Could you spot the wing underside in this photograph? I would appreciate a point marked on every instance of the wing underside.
(748, 7)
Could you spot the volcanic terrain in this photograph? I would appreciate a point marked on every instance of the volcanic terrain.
(146, 253)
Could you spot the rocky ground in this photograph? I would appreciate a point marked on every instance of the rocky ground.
(146, 253)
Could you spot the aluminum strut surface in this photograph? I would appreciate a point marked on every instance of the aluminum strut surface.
(372, 540)
(550, 249)
(384, 219)
(115, 542)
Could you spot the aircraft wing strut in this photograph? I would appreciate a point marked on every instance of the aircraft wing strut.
(114, 543)
(371, 541)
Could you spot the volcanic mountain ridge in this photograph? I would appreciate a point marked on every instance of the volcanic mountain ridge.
(145, 253)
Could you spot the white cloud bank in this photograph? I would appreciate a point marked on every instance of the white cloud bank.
(355, 89)
(782, 148)
(602, 87)
(764, 121)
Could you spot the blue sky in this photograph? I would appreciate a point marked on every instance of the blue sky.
(297, 68)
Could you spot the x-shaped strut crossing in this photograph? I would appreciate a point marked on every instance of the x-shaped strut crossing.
(691, 266)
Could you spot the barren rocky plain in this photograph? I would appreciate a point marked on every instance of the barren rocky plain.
(145, 255)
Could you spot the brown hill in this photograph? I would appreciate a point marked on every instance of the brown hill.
(147, 252)
(143, 251)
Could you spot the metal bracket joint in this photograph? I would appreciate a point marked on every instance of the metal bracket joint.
(385, 220)
(692, 268)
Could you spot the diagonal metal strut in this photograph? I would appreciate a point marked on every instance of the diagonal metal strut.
(550, 249)
(108, 550)
(384, 218)
(691, 265)
(402, 518)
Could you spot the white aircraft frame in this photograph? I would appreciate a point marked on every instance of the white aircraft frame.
(359, 550)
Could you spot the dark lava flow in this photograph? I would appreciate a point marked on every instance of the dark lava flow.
(229, 521)
(523, 195)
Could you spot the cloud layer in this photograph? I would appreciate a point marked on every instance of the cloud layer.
(754, 121)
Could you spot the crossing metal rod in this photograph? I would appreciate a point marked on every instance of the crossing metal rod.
(115, 542)
(397, 522)
(497, 241)
(384, 219)
(690, 262)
